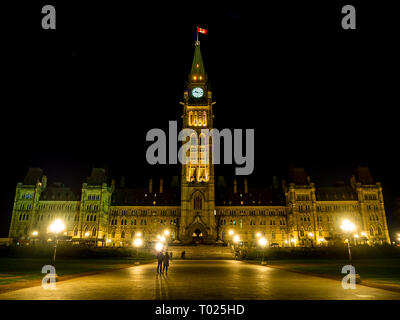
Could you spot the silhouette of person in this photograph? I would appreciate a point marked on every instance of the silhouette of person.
(166, 262)
(160, 258)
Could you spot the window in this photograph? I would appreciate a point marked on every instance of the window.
(94, 232)
(123, 234)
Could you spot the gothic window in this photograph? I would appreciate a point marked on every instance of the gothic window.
(75, 232)
(234, 222)
(123, 234)
(379, 231)
(371, 231)
(94, 232)
(94, 219)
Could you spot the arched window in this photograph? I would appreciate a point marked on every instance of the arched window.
(197, 202)
(94, 232)
(190, 118)
(379, 231)
(75, 232)
(123, 234)
(371, 231)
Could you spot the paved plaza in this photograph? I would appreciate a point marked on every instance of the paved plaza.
(200, 279)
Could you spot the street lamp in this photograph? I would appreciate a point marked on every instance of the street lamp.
(137, 243)
(236, 239)
(348, 227)
(231, 232)
(262, 242)
(35, 233)
(166, 233)
(159, 246)
(56, 227)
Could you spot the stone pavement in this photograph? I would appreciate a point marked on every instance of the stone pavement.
(200, 279)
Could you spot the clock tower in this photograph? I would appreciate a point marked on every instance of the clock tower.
(197, 222)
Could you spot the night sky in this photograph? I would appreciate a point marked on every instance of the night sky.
(87, 93)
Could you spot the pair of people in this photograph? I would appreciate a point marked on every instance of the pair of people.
(163, 262)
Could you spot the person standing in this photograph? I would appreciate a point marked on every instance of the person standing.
(160, 257)
(166, 262)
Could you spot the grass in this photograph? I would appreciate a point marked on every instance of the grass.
(14, 270)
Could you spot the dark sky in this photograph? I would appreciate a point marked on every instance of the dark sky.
(86, 94)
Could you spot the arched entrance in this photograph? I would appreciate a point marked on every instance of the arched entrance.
(197, 236)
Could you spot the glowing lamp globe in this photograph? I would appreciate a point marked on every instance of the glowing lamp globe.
(57, 226)
(138, 242)
(262, 242)
(347, 226)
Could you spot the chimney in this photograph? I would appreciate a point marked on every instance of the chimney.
(161, 185)
(245, 186)
(151, 186)
(234, 186)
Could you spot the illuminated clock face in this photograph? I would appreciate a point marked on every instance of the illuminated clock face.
(197, 92)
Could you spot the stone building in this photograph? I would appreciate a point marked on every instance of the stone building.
(196, 209)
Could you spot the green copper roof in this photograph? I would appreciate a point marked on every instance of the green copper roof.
(197, 65)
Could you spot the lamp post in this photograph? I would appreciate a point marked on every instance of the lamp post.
(56, 227)
(138, 242)
(236, 240)
(262, 242)
(348, 227)
(34, 235)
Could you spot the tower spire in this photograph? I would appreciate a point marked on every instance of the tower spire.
(197, 65)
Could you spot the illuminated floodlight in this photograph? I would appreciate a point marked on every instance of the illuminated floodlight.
(159, 246)
(138, 242)
(347, 226)
(57, 226)
(262, 242)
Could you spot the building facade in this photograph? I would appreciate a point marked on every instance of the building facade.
(195, 208)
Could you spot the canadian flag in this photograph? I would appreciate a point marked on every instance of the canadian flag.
(203, 31)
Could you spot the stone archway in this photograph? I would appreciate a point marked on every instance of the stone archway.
(197, 233)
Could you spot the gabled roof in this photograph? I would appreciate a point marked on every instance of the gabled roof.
(60, 193)
(363, 175)
(336, 193)
(33, 176)
(97, 177)
(254, 197)
(141, 197)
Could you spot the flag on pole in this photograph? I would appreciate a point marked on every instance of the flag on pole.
(203, 31)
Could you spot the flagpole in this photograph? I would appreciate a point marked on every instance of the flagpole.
(197, 33)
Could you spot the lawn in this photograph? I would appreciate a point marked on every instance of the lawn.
(24, 269)
(385, 271)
